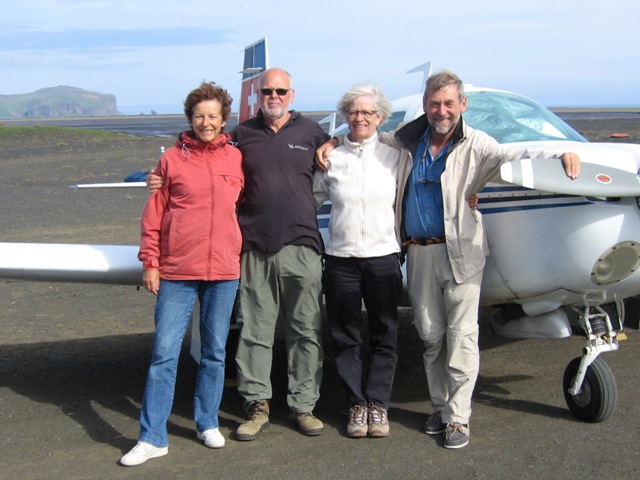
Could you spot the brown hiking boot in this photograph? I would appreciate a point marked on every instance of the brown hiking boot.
(307, 424)
(257, 421)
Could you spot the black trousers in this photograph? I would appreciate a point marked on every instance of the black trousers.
(347, 283)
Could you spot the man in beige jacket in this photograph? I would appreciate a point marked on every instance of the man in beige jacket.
(446, 243)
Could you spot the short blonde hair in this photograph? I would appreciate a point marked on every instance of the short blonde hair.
(383, 105)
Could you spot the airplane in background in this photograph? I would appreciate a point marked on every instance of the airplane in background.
(564, 253)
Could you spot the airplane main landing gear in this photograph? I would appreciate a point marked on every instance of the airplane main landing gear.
(589, 385)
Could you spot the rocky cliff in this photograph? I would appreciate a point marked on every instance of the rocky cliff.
(58, 102)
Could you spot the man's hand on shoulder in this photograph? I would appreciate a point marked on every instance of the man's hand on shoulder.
(322, 154)
(154, 182)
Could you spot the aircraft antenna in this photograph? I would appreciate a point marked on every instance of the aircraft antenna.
(425, 68)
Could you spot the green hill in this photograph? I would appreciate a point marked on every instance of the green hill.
(57, 102)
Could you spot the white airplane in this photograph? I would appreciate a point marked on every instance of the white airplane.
(563, 252)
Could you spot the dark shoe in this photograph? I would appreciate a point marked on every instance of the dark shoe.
(307, 424)
(456, 435)
(378, 421)
(358, 421)
(434, 425)
(257, 421)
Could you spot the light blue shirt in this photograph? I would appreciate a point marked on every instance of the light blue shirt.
(424, 214)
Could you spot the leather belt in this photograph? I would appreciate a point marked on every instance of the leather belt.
(424, 241)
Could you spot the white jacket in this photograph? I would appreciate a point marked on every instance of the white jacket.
(361, 184)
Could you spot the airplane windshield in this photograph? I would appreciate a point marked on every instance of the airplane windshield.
(512, 118)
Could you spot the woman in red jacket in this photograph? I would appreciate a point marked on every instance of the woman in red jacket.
(190, 247)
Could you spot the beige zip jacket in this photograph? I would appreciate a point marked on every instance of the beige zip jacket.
(474, 159)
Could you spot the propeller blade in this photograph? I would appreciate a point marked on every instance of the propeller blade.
(547, 174)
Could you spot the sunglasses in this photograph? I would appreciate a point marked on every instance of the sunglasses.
(281, 92)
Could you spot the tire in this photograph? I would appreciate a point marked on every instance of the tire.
(599, 391)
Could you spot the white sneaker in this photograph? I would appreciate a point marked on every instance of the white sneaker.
(212, 438)
(142, 452)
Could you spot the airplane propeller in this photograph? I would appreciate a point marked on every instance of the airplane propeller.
(547, 174)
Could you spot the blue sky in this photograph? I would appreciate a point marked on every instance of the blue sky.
(150, 54)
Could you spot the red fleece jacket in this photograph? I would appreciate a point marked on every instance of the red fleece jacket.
(189, 227)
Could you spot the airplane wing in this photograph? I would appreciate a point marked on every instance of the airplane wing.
(110, 185)
(74, 263)
(547, 174)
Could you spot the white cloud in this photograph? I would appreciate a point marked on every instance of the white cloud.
(153, 52)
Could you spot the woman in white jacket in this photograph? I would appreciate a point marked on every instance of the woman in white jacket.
(361, 260)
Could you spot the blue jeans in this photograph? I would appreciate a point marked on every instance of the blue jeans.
(172, 315)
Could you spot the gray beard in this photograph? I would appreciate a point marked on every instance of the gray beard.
(274, 115)
(441, 130)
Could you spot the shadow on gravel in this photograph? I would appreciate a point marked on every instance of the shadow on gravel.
(83, 377)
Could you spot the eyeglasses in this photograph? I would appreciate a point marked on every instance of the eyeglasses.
(281, 92)
(364, 113)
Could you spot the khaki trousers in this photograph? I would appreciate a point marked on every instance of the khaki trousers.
(288, 283)
(446, 318)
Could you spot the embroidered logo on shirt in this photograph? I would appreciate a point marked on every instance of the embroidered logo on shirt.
(298, 147)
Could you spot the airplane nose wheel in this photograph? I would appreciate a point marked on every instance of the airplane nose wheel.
(596, 400)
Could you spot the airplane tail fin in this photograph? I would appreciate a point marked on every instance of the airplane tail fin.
(256, 60)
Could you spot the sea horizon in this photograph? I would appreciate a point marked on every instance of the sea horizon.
(558, 109)
(170, 124)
